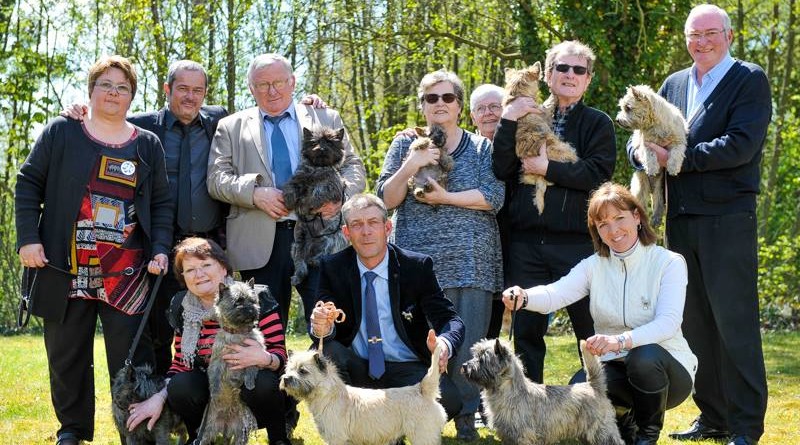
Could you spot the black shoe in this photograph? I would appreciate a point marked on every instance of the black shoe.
(68, 439)
(465, 427)
(280, 442)
(292, 418)
(698, 431)
(743, 440)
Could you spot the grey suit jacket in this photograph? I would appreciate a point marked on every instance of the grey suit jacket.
(237, 164)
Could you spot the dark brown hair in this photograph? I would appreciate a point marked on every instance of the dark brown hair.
(621, 198)
(201, 248)
(105, 64)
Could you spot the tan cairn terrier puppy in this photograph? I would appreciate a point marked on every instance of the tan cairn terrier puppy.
(527, 413)
(359, 416)
(653, 119)
(533, 129)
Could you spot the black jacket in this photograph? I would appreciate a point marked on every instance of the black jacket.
(418, 302)
(52, 183)
(591, 133)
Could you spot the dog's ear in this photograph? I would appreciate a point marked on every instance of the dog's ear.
(252, 283)
(420, 131)
(321, 364)
(222, 287)
(307, 134)
(499, 350)
(537, 67)
(638, 93)
(340, 134)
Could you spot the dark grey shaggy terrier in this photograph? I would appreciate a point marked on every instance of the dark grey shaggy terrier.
(316, 182)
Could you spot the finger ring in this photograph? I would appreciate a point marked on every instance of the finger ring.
(133, 410)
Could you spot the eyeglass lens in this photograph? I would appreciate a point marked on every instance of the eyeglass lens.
(577, 69)
(448, 98)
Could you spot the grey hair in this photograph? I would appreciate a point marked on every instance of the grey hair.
(483, 91)
(184, 65)
(568, 48)
(364, 201)
(699, 9)
(263, 60)
(435, 77)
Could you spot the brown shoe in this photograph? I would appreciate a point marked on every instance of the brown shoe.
(465, 427)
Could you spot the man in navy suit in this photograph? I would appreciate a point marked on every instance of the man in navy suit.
(711, 221)
(412, 310)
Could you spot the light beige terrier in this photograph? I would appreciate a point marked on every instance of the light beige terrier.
(533, 128)
(653, 119)
(359, 416)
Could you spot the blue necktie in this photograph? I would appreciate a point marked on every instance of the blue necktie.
(281, 163)
(374, 340)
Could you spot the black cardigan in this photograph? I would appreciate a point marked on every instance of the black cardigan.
(591, 133)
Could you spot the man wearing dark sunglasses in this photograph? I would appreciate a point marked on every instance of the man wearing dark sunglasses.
(711, 221)
(541, 248)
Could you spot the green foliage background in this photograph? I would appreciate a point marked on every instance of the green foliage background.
(366, 58)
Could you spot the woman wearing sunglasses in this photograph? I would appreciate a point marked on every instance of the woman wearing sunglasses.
(542, 248)
(456, 224)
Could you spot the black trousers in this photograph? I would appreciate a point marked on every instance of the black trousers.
(721, 318)
(277, 275)
(70, 348)
(354, 370)
(187, 395)
(531, 264)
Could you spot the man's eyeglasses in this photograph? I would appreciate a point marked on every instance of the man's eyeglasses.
(695, 36)
(493, 108)
(448, 98)
(263, 87)
(106, 87)
(194, 271)
(577, 69)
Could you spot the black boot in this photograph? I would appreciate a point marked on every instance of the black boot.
(648, 412)
(626, 424)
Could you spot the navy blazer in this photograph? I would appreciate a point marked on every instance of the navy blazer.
(418, 302)
(721, 173)
(155, 121)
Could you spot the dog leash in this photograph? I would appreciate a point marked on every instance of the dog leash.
(145, 315)
(513, 316)
(334, 315)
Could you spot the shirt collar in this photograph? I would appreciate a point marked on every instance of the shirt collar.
(718, 72)
(291, 110)
(170, 120)
(565, 113)
(382, 269)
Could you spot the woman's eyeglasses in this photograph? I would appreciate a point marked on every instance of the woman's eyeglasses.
(577, 69)
(106, 87)
(448, 98)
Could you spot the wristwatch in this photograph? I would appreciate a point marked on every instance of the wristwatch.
(622, 339)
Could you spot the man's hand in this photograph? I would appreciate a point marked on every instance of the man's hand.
(431, 341)
(329, 209)
(662, 154)
(519, 107)
(32, 255)
(314, 100)
(537, 164)
(270, 201)
(321, 321)
(75, 111)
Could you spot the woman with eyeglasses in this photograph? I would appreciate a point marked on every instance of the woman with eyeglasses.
(541, 248)
(456, 224)
(93, 217)
(201, 265)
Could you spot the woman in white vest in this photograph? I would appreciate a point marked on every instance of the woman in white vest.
(637, 292)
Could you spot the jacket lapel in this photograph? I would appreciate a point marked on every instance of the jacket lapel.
(161, 124)
(394, 295)
(355, 288)
(256, 129)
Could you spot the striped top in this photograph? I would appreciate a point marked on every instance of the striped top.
(270, 326)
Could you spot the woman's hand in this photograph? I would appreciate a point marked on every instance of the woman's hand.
(600, 344)
(514, 298)
(419, 158)
(149, 409)
(438, 195)
(157, 264)
(251, 353)
(32, 255)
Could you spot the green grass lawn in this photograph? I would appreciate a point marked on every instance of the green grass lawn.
(26, 416)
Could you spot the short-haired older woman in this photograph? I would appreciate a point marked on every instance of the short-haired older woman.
(541, 248)
(201, 265)
(93, 215)
(638, 290)
(455, 225)
(485, 108)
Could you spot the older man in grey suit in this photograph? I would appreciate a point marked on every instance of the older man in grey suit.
(254, 152)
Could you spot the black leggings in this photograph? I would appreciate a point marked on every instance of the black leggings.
(187, 395)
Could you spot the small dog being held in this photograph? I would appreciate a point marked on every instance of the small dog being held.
(524, 412)
(533, 128)
(653, 119)
(135, 384)
(420, 183)
(359, 416)
(237, 311)
(316, 182)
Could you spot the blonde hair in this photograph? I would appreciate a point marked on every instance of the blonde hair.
(439, 76)
(568, 48)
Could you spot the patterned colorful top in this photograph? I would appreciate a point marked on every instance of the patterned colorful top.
(107, 251)
(269, 324)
